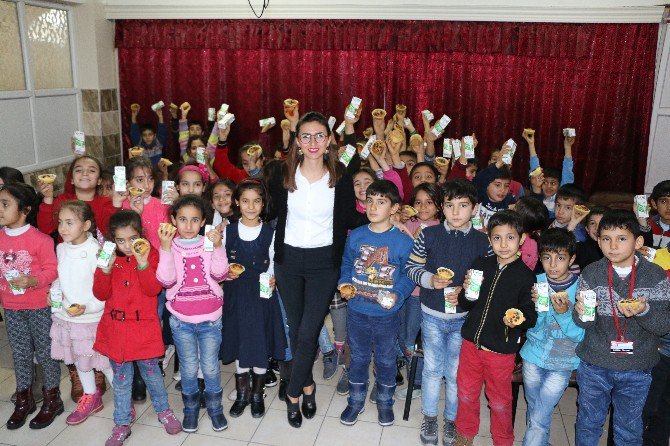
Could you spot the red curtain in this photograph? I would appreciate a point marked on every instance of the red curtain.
(490, 78)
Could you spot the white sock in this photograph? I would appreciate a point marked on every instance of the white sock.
(240, 370)
(200, 375)
(87, 381)
(259, 371)
(109, 374)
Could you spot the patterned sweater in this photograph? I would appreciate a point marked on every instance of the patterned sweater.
(191, 276)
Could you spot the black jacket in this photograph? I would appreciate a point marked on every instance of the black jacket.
(500, 291)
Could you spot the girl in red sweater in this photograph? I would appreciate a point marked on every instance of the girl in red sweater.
(28, 265)
(130, 329)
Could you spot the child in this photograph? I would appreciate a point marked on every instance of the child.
(493, 188)
(605, 375)
(191, 274)
(549, 351)
(362, 179)
(253, 329)
(222, 202)
(423, 173)
(146, 136)
(490, 338)
(372, 268)
(222, 165)
(106, 186)
(129, 330)
(192, 179)
(588, 251)
(515, 188)
(440, 325)
(567, 197)
(545, 186)
(535, 218)
(186, 129)
(85, 173)
(75, 321)
(409, 158)
(28, 267)
(658, 226)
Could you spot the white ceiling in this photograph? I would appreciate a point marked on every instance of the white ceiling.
(575, 11)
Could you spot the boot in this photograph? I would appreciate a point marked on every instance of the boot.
(76, 391)
(355, 403)
(191, 412)
(24, 406)
(139, 387)
(385, 404)
(100, 382)
(285, 372)
(243, 388)
(38, 380)
(52, 406)
(270, 376)
(257, 388)
(201, 392)
(215, 410)
(462, 441)
(309, 404)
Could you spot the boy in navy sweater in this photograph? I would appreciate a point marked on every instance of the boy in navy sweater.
(493, 187)
(373, 280)
(454, 245)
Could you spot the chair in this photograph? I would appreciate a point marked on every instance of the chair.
(418, 353)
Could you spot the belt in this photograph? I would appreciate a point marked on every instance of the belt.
(119, 315)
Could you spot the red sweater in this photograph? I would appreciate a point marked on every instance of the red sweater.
(129, 329)
(225, 169)
(31, 254)
(47, 218)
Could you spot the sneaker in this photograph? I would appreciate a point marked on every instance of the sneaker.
(119, 434)
(274, 366)
(170, 422)
(88, 404)
(343, 383)
(401, 394)
(329, 364)
(429, 431)
(270, 378)
(449, 438)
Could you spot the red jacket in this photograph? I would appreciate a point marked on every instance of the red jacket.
(129, 329)
(47, 217)
(225, 169)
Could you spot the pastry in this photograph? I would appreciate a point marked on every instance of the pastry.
(397, 136)
(445, 273)
(580, 210)
(529, 132)
(141, 246)
(536, 172)
(409, 210)
(631, 304)
(47, 178)
(185, 105)
(135, 191)
(134, 107)
(441, 162)
(254, 150)
(347, 290)
(415, 140)
(136, 151)
(515, 316)
(378, 113)
(400, 108)
(290, 106)
(236, 268)
(378, 147)
(166, 162)
(166, 226)
(74, 308)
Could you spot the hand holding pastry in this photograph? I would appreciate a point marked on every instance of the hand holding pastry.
(560, 302)
(166, 233)
(632, 307)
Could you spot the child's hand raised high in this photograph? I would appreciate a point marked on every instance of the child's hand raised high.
(536, 182)
(529, 137)
(223, 133)
(134, 109)
(267, 127)
(173, 110)
(185, 108)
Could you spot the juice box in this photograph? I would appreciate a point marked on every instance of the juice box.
(211, 114)
(119, 179)
(340, 128)
(440, 125)
(106, 254)
(13, 274)
(507, 158)
(569, 132)
(79, 142)
(353, 107)
(476, 279)
(449, 308)
(208, 245)
(331, 122)
(348, 154)
(589, 297)
(166, 186)
(158, 105)
(56, 295)
(542, 303)
(226, 120)
(222, 111)
(264, 285)
(469, 146)
(447, 148)
(641, 206)
(456, 144)
(476, 221)
(267, 121)
(428, 115)
(366, 149)
(200, 155)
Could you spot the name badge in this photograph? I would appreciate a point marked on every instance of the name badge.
(621, 347)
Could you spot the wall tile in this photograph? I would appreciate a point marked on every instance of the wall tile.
(92, 124)
(108, 100)
(112, 161)
(94, 146)
(89, 100)
(110, 122)
(111, 145)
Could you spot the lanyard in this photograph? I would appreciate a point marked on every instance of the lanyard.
(630, 296)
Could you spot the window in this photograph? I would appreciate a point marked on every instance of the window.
(39, 104)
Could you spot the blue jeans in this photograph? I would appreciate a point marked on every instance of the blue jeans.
(365, 333)
(325, 343)
(625, 389)
(123, 387)
(441, 340)
(198, 344)
(543, 389)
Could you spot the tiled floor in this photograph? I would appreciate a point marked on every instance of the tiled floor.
(272, 429)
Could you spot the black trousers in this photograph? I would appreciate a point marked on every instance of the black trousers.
(656, 413)
(306, 279)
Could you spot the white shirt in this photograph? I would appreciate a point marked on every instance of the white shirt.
(250, 233)
(309, 223)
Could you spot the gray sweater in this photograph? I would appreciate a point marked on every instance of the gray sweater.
(645, 330)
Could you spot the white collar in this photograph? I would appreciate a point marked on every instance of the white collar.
(14, 232)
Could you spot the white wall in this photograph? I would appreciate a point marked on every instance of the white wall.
(94, 46)
(658, 157)
(576, 11)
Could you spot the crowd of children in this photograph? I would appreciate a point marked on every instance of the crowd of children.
(165, 257)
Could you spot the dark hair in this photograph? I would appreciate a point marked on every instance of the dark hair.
(138, 162)
(11, 175)
(293, 159)
(503, 174)
(595, 210)
(83, 212)
(200, 138)
(189, 200)
(107, 174)
(571, 191)
(196, 122)
(220, 182)
(620, 219)
(384, 188)
(26, 198)
(424, 164)
(365, 170)
(505, 218)
(147, 126)
(83, 157)
(557, 239)
(434, 192)
(122, 219)
(410, 153)
(460, 188)
(534, 215)
(551, 172)
(662, 189)
(257, 186)
(473, 162)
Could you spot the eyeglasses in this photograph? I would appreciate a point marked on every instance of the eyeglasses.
(305, 138)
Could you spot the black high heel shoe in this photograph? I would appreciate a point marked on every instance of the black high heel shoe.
(309, 403)
(293, 413)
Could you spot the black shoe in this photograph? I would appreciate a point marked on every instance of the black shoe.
(274, 366)
(201, 390)
(309, 404)
(270, 378)
(283, 384)
(399, 380)
(243, 388)
(257, 389)
(139, 387)
(293, 413)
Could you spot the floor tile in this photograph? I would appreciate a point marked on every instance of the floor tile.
(334, 433)
(275, 430)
